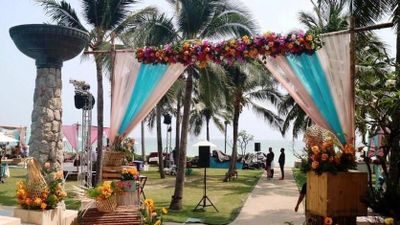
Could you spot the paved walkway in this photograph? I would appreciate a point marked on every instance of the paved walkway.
(271, 202)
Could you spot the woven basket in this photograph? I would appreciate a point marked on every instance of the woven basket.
(113, 158)
(107, 205)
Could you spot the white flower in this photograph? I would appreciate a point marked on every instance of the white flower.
(390, 83)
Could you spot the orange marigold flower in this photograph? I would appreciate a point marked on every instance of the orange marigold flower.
(328, 220)
(315, 165)
(315, 149)
(43, 205)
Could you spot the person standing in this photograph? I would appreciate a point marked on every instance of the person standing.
(268, 163)
(281, 162)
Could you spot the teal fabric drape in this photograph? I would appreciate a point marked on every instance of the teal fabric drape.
(148, 78)
(309, 70)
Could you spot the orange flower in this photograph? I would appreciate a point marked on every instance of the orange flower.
(43, 205)
(309, 37)
(328, 220)
(246, 39)
(28, 201)
(324, 157)
(348, 149)
(315, 149)
(315, 165)
(38, 201)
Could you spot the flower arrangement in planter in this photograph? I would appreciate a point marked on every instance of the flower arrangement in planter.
(150, 216)
(43, 189)
(325, 153)
(105, 196)
(118, 151)
(129, 178)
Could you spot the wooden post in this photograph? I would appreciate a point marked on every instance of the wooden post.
(353, 70)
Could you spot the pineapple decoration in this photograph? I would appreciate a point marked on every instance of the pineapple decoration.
(43, 187)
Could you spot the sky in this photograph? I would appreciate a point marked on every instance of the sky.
(18, 72)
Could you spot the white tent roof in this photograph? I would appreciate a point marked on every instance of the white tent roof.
(4, 139)
(204, 143)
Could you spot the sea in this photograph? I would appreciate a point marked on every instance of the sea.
(292, 148)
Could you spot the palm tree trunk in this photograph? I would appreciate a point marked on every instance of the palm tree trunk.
(177, 128)
(394, 137)
(159, 143)
(236, 114)
(208, 128)
(142, 140)
(176, 202)
(100, 108)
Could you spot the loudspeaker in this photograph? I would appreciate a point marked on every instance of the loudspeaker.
(82, 101)
(204, 157)
(257, 146)
(167, 119)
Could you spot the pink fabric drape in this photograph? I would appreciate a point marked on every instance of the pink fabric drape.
(70, 133)
(93, 137)
(170, 76)
(126, 68)
(335, 59)
(283, 73)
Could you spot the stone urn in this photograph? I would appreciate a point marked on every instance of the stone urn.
(50, 46)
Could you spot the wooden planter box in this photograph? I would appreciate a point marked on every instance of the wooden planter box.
(337, 195)
(41, 217)
(128, 198)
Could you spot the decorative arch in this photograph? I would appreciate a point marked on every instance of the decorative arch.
(314, 70)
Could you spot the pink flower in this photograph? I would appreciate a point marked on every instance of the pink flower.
(324, 157)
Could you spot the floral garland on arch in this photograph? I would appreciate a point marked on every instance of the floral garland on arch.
(190, 52)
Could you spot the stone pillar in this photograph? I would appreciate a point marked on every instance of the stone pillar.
(50, 46)
(46, 142)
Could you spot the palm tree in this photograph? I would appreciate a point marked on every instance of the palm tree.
(198, 19)
(106, 20)
(251, 86)
(366, 13)
(294, 115)
(209, 100)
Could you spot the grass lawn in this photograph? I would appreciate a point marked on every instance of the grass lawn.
(228, 197)
(8, 189)
(299, 177)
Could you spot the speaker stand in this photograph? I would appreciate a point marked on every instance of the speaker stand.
(203, 201)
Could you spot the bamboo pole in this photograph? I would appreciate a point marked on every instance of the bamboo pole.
(353, 72)
(360, 29)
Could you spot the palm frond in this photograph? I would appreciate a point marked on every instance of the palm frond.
(230, 19)
(273, 119)
(62, 13)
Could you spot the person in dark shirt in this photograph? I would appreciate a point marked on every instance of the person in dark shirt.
(268, 163)
(303, 193)
(281, 161)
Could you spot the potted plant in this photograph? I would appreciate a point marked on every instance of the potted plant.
(129, 178)
(105, 196)
(333, 188)
(40, 194)
(116, 153)
(149, 214)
